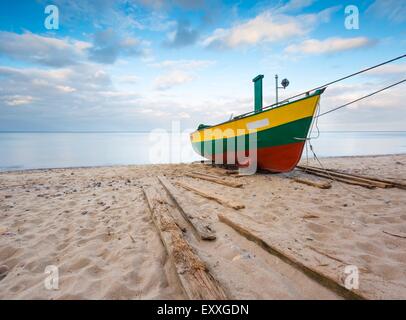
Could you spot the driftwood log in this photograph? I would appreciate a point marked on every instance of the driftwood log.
(205, 194)
(202, 229)
(193, 274)
(251, 230)
(214, 179)
(346, 176)
(317, 184)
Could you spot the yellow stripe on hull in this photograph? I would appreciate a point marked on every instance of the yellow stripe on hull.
(261, 121)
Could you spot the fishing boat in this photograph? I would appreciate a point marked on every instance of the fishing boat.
(279, 133)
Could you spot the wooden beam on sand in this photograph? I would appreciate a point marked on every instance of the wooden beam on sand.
(215, 180)
(242, 224)
(193, 274)
(222, 201)
(207, 174)
(391, 183)
(317, 184)
(351, 177)
(203, 229)
(230, 172)
(328, 175)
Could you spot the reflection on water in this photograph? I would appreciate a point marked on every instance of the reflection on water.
(53, 150)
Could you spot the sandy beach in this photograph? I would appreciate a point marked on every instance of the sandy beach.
(95, 225)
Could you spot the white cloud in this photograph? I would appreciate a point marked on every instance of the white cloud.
(390, 69)
(293, 5)
(128, 79)
(48, 51)
(171, 79)
(266, 27)
(107, 47)
(329, 45)
(183, 64)
(178, 72)
(18, 100)
(383, 111)
(66, 89)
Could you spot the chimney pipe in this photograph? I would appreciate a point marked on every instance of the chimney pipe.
(258, 92)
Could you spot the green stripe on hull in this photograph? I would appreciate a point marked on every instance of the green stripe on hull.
(275, 136)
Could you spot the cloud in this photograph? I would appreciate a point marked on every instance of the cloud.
(100, 13)
(393, 10)
(329, 45)
(295, 5)
(389, 69)
(184, 35)
(178, 72)
(42, 84)
(29, 47)
(108, 46)
(17, 100)
(184, 4)
(183, 64)
(384, 111)
(266, 27)
(171, 79)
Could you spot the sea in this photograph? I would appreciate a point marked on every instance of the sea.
(38, 150)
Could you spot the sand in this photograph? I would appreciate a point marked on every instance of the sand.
(95, 226)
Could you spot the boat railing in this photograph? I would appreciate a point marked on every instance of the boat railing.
(285, 101)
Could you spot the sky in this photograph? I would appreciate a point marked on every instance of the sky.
(140, 65)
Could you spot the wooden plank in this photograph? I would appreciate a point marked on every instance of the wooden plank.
(391, 183)
(222, 201)
(376, 183)
(320, 185)
(207, 174)
(202, 229)
(230, 172)
(251, 233)
(345, 180)
(215, 180)
(345, 176)
(192, 272)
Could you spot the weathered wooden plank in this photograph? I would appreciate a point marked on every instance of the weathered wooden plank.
(332, 173)
(341, 179)
(207, 174)
(391, 183)
(249, 229)
(203, 229)
(222, 201)
(192, 272)
(320, 185)
(215, 180)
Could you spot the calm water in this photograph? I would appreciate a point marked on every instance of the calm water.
(54, 150)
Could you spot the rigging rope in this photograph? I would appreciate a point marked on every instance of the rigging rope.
(356, 100)
(341, 79)
(309, 138)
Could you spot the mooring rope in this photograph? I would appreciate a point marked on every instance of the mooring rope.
(340, 79)
(309, 138)
(356, 100)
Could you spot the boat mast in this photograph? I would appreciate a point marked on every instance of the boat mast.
(276, 89)
(284, 83)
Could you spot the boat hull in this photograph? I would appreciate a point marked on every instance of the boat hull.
(273, 138)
